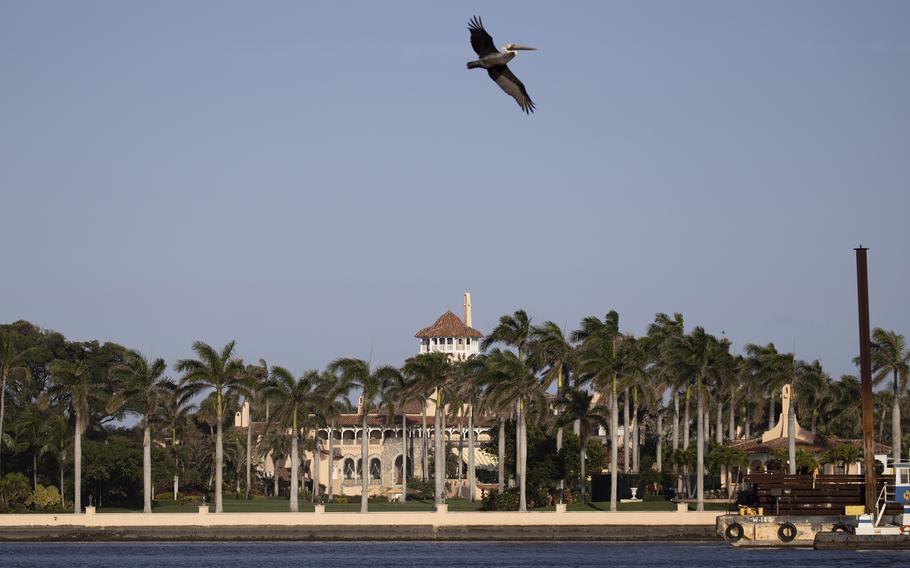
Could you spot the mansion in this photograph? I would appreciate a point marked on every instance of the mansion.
(448, 334)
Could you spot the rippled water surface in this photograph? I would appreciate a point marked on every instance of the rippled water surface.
(422, 554)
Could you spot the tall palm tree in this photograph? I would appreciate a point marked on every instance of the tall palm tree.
(890, 356)
(358, 374)
(12, 363)
(293, 401)
(331, 401)
(32, 428)
(699, 352)
(513, 380)
(513, 331)
(258, 377)
(144, 390)
(174, 415)
(276, 445)
(432, 371)
(73, 382)
(224, 374)
(552, 351)
(397, 394)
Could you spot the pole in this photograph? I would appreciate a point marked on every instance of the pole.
(865, 369)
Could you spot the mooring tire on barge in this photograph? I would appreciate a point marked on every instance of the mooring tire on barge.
(840, 527)
(734, 532)
(786, 532)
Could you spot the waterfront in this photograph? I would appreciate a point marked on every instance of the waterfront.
(397, 554)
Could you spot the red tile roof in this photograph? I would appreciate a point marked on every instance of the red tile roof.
(448, 325)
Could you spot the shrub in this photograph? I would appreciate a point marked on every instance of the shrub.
(43, 498)
(508, 500)
(14, 491)
(342, 499)
(421, 489)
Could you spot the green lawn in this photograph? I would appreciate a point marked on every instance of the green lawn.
(272, 505)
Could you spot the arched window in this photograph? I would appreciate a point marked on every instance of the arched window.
(349, 468)
(375, 468)
(398, 469)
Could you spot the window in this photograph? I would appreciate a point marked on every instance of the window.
(349, 468)
(375, 469)
(449, 340)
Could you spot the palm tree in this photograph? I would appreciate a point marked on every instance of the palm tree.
(552, 351)
(223, 373)
(174, 415)
(144, 391)
(431, 371)
(74, 383)
(890, 356)
(579, 405)
(699, 352)
(277, 446)
(357, 373)
(12, 363)
(514, 380)
(397, 394)
(258, 376)
(32, 431)
(331, 401)
(293, 402)
(59, 431)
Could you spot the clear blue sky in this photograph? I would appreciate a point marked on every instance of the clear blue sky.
(311, 179)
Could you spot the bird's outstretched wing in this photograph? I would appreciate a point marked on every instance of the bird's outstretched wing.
(481, 41)
(509, 83)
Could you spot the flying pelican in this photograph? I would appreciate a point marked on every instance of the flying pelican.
(494, 61)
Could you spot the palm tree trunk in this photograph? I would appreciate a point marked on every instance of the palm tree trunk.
(460, 449)
(438, 456)
(660, 442)
(502, 455)
(294, 465)
(522, 456)
(147, 467)
(275, 480)
(896, 422)
(519, 472)
(719, 425)
(686, 421)
(700, 452)
(614, 453)
(330, 487)
(626, 462)
(472, 469)
(364, 464)
(249, 445)
(675, 420)
(62, 494)
(404, 457)
(219, 464)
(635, 436)
(317, 462)
(583, 479)
(731, 433)
(35, 470)
(424, 450)
(791, 431)
(77, 465)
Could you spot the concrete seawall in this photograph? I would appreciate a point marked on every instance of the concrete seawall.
(354, 526)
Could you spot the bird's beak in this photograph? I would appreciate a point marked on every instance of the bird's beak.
(523, 48)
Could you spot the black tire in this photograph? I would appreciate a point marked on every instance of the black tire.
(840, 527)
(786, 532)
(734, 532)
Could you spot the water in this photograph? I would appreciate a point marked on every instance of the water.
(423, 554)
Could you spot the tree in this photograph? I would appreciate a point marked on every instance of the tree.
(357, 373)
(431, 372)
(890, 356)
(277, 445)
(224, 374)
(144, 391)
(398, 392)
(293, 403)
(12, 363)
(331, 400)
(258, 376)
(513, 380)
(74, 383)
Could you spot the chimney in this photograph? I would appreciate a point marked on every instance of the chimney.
(467, 309)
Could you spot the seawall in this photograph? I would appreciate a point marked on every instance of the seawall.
(354, 526)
